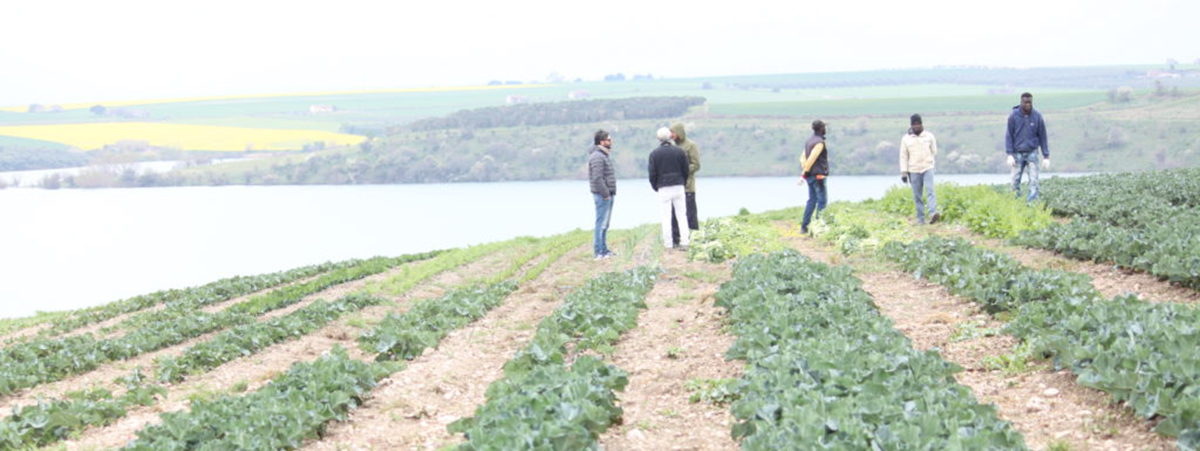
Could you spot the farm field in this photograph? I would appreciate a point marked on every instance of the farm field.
(182, 136)
(872, 332)
(374, 113)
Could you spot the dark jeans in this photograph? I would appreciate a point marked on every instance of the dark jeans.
(816, 199)
(692, 217)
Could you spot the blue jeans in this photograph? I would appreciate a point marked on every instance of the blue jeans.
(816, 200)
(603, 217)
(1023, 160)
(923, 181)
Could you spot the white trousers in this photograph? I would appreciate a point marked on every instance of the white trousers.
(669, 196)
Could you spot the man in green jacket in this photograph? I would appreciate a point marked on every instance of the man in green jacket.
(679, 135)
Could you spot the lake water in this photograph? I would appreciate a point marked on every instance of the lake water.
(67, 249)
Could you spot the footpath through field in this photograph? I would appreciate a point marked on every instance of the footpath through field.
(1046, 406)
(677, 347)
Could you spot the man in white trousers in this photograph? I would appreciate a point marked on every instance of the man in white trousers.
(668, 174)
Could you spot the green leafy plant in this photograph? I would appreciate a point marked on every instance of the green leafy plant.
(823, 366)
(53, 420)
(407, 335)
(855, 228)
(1148, 221)
(250, 338)
(546, 402)
(293, 408)
(983, 209)
(712, 391)
(1018, 361)
(44, 360)
(970, 330)
(722, 239)
(1141, 353)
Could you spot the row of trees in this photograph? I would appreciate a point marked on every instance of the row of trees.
(558, 113)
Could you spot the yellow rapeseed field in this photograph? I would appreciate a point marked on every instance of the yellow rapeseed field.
(77, 106)
(182, 136)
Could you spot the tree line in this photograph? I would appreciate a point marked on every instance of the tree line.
(557, 113)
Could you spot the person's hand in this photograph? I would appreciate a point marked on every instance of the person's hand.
(904, 177)
(1011, 162)
(806, 175)
(1045, 164)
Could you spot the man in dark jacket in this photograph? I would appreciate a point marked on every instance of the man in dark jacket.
(1026, 133)
(815, 169)
(668, 174)
(679, 136)
(603, 182)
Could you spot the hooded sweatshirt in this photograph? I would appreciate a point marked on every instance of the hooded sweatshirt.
(917, 152)
(1026, 133)
(693, 155)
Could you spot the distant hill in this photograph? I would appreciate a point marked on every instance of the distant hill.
(1148, 133)
(747, 125)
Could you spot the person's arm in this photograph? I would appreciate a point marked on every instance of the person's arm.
(1042, 137)
(694, 161)
(1008, 136)
(903, 155)
(933, 140)
(684, 165)
(812, 157)
(653, 173)
(596, 174)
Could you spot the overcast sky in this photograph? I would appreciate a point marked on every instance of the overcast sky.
(55, 51)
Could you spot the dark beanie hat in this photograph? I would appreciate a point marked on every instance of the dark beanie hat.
(915, 119)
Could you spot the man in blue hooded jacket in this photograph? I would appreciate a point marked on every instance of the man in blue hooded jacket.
(1026, 133)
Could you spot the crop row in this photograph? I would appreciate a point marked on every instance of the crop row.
(53, 420)
(1146, 355)
(825, 369)
(1149, 221)
(191, 298)
(50, 421)
(293, 408)
(46, 360)
(552, 248)
(250, 338)
(544, 401)
(303, 405)
(410, 276)
(407, 335)
(1128, 200)
(1169, 249)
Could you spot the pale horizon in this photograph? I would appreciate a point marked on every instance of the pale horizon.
(75, 51)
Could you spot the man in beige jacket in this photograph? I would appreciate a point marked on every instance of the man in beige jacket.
(917, 149)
